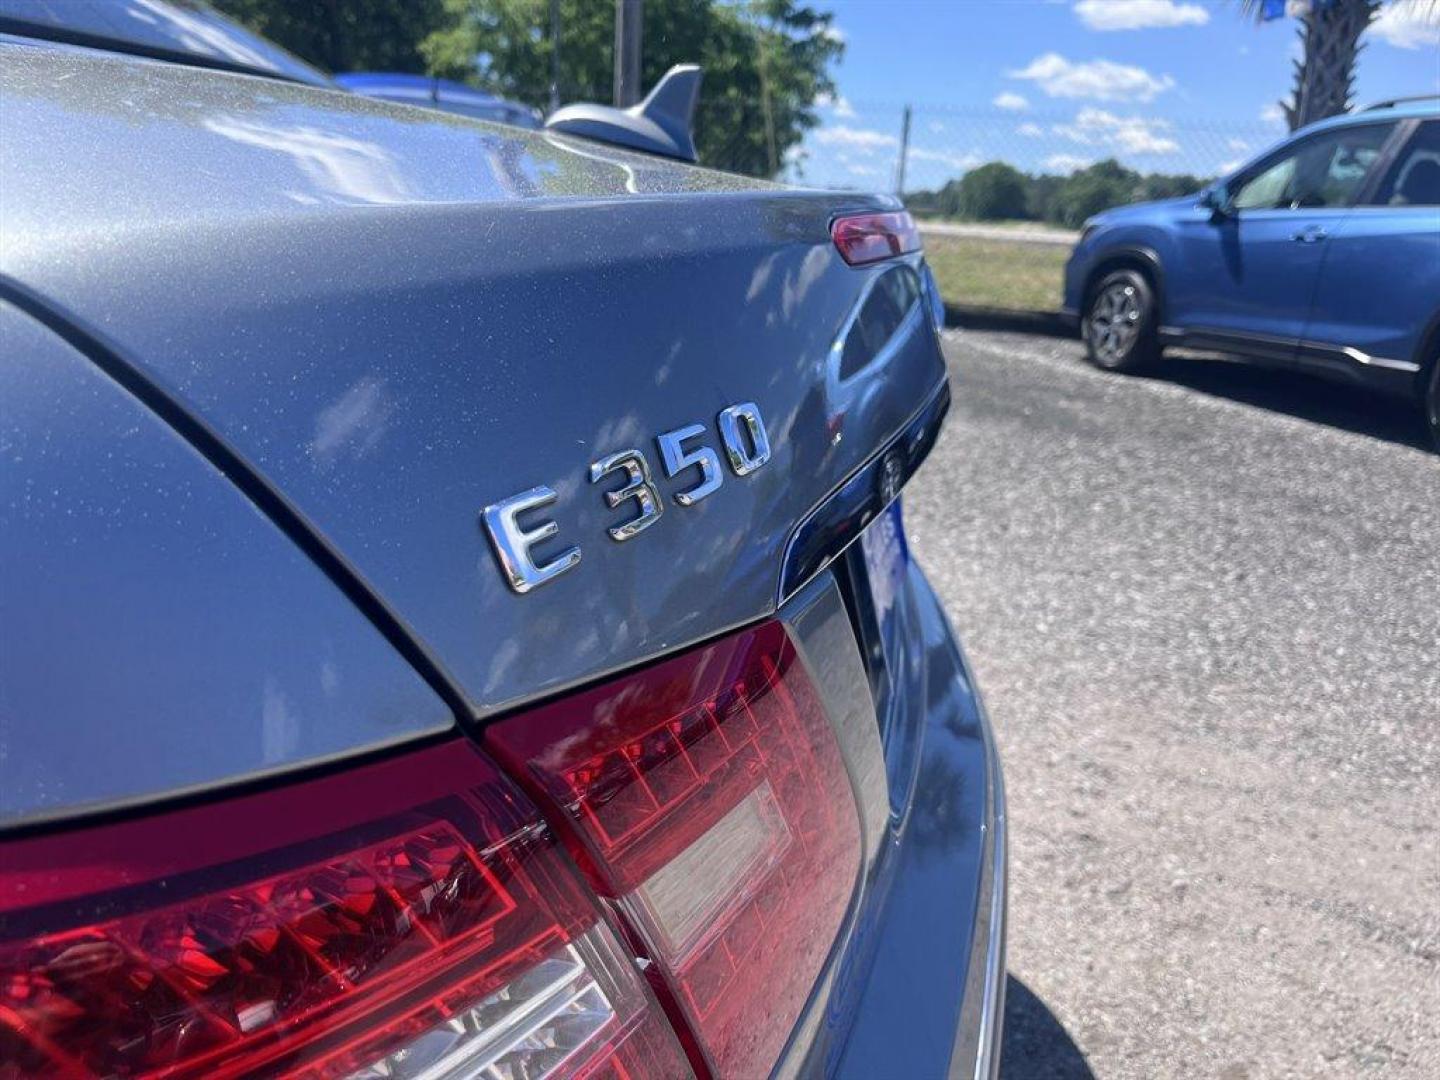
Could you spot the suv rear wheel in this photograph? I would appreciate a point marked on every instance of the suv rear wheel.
(1119, 323)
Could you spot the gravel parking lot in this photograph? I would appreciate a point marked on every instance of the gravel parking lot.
(1205, 613)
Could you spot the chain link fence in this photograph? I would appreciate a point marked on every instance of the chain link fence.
(920, 150)
(892, 146)
(1000, 189)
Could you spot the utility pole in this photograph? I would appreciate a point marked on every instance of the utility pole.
(904, 153)
(554, 55)
(770, 153)
(627, 52)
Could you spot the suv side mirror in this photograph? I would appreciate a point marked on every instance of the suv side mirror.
(1217, 200)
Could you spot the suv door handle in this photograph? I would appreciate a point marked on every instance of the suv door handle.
(1311, 234)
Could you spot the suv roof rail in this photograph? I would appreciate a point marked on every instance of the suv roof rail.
(1392, 102)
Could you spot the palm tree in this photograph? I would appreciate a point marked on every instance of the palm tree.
(1330, 31)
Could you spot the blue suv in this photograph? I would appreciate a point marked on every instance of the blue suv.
(1323, 254)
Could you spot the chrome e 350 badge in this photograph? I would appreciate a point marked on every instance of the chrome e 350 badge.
(747, 447)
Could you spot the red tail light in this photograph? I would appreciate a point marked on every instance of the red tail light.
(406, 918)
(416, 917)
(708, 798)
(868, 238)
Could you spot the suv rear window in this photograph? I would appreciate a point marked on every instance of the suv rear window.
(1414, 180)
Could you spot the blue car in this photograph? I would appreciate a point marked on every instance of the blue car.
(442, 94)
(456, 617)
(1323, 254)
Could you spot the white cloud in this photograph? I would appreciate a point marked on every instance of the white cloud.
(864, 140)
(1101, 80)
(839, 105)
(1011, 101)
(960, 162)
(1139, 14)
(1225, 168)
(1273, 115)
(1065, 163)
(935, 127)
(1123, 134)
(1238, 145)
(1408, 24)
(857, 169)
(834, 33)
(1030, 130)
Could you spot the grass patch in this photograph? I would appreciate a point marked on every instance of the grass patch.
(998, 273)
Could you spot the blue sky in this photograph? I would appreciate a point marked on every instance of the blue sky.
(1165, 85)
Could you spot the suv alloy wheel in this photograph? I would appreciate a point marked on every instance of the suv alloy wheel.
(1119, 323)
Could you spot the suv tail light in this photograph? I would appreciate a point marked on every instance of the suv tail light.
(403, 919)
(867, 238)
(706, 797)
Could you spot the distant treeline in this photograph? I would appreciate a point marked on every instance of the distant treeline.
(1001, 192)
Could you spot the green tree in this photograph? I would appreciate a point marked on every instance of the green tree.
(1168, 186)
(1088, 191)
(991, 192)
(944, 201)
(1063, 200)
(923, 201)
(1040, 199)
(766, 63)
(345, 35)
(1330, 32)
